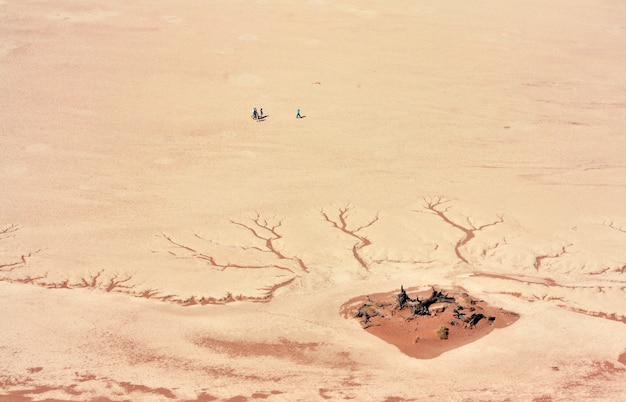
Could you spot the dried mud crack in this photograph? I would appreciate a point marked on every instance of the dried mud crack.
(438, 207)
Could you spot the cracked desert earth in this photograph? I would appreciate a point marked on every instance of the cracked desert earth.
(157, 244)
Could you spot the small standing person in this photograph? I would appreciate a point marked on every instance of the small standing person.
(255, 114)
(298, 116)
(261, 113)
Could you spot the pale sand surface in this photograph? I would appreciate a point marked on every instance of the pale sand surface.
(452, 143)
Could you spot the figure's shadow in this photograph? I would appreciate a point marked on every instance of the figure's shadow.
(262, 118)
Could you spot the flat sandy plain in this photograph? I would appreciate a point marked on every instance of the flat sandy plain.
(158, 244)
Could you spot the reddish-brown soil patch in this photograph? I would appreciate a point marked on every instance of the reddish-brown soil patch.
(417, 335)
(622, 358)
(603, 369)
(203, 397)
(284, 349)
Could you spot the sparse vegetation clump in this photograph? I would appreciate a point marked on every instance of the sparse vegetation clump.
(442, 332)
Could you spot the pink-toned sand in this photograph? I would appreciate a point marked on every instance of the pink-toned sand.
(156, 243)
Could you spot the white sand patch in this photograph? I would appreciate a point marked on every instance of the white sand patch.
(91, 16)
(38, 148)
(6, 47)
(225, 50)
(511, 37)
(227, 134)
(311, 42)
(15, 169)
(164, 161)
(172, 19)
(359, 12)
(250, 37)
(245, 79)
(81, 112)
(248, 154)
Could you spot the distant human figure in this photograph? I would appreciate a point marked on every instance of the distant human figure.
(255, 114)
(261, 113)
(298, 116)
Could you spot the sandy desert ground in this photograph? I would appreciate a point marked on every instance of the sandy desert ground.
(158, 244)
